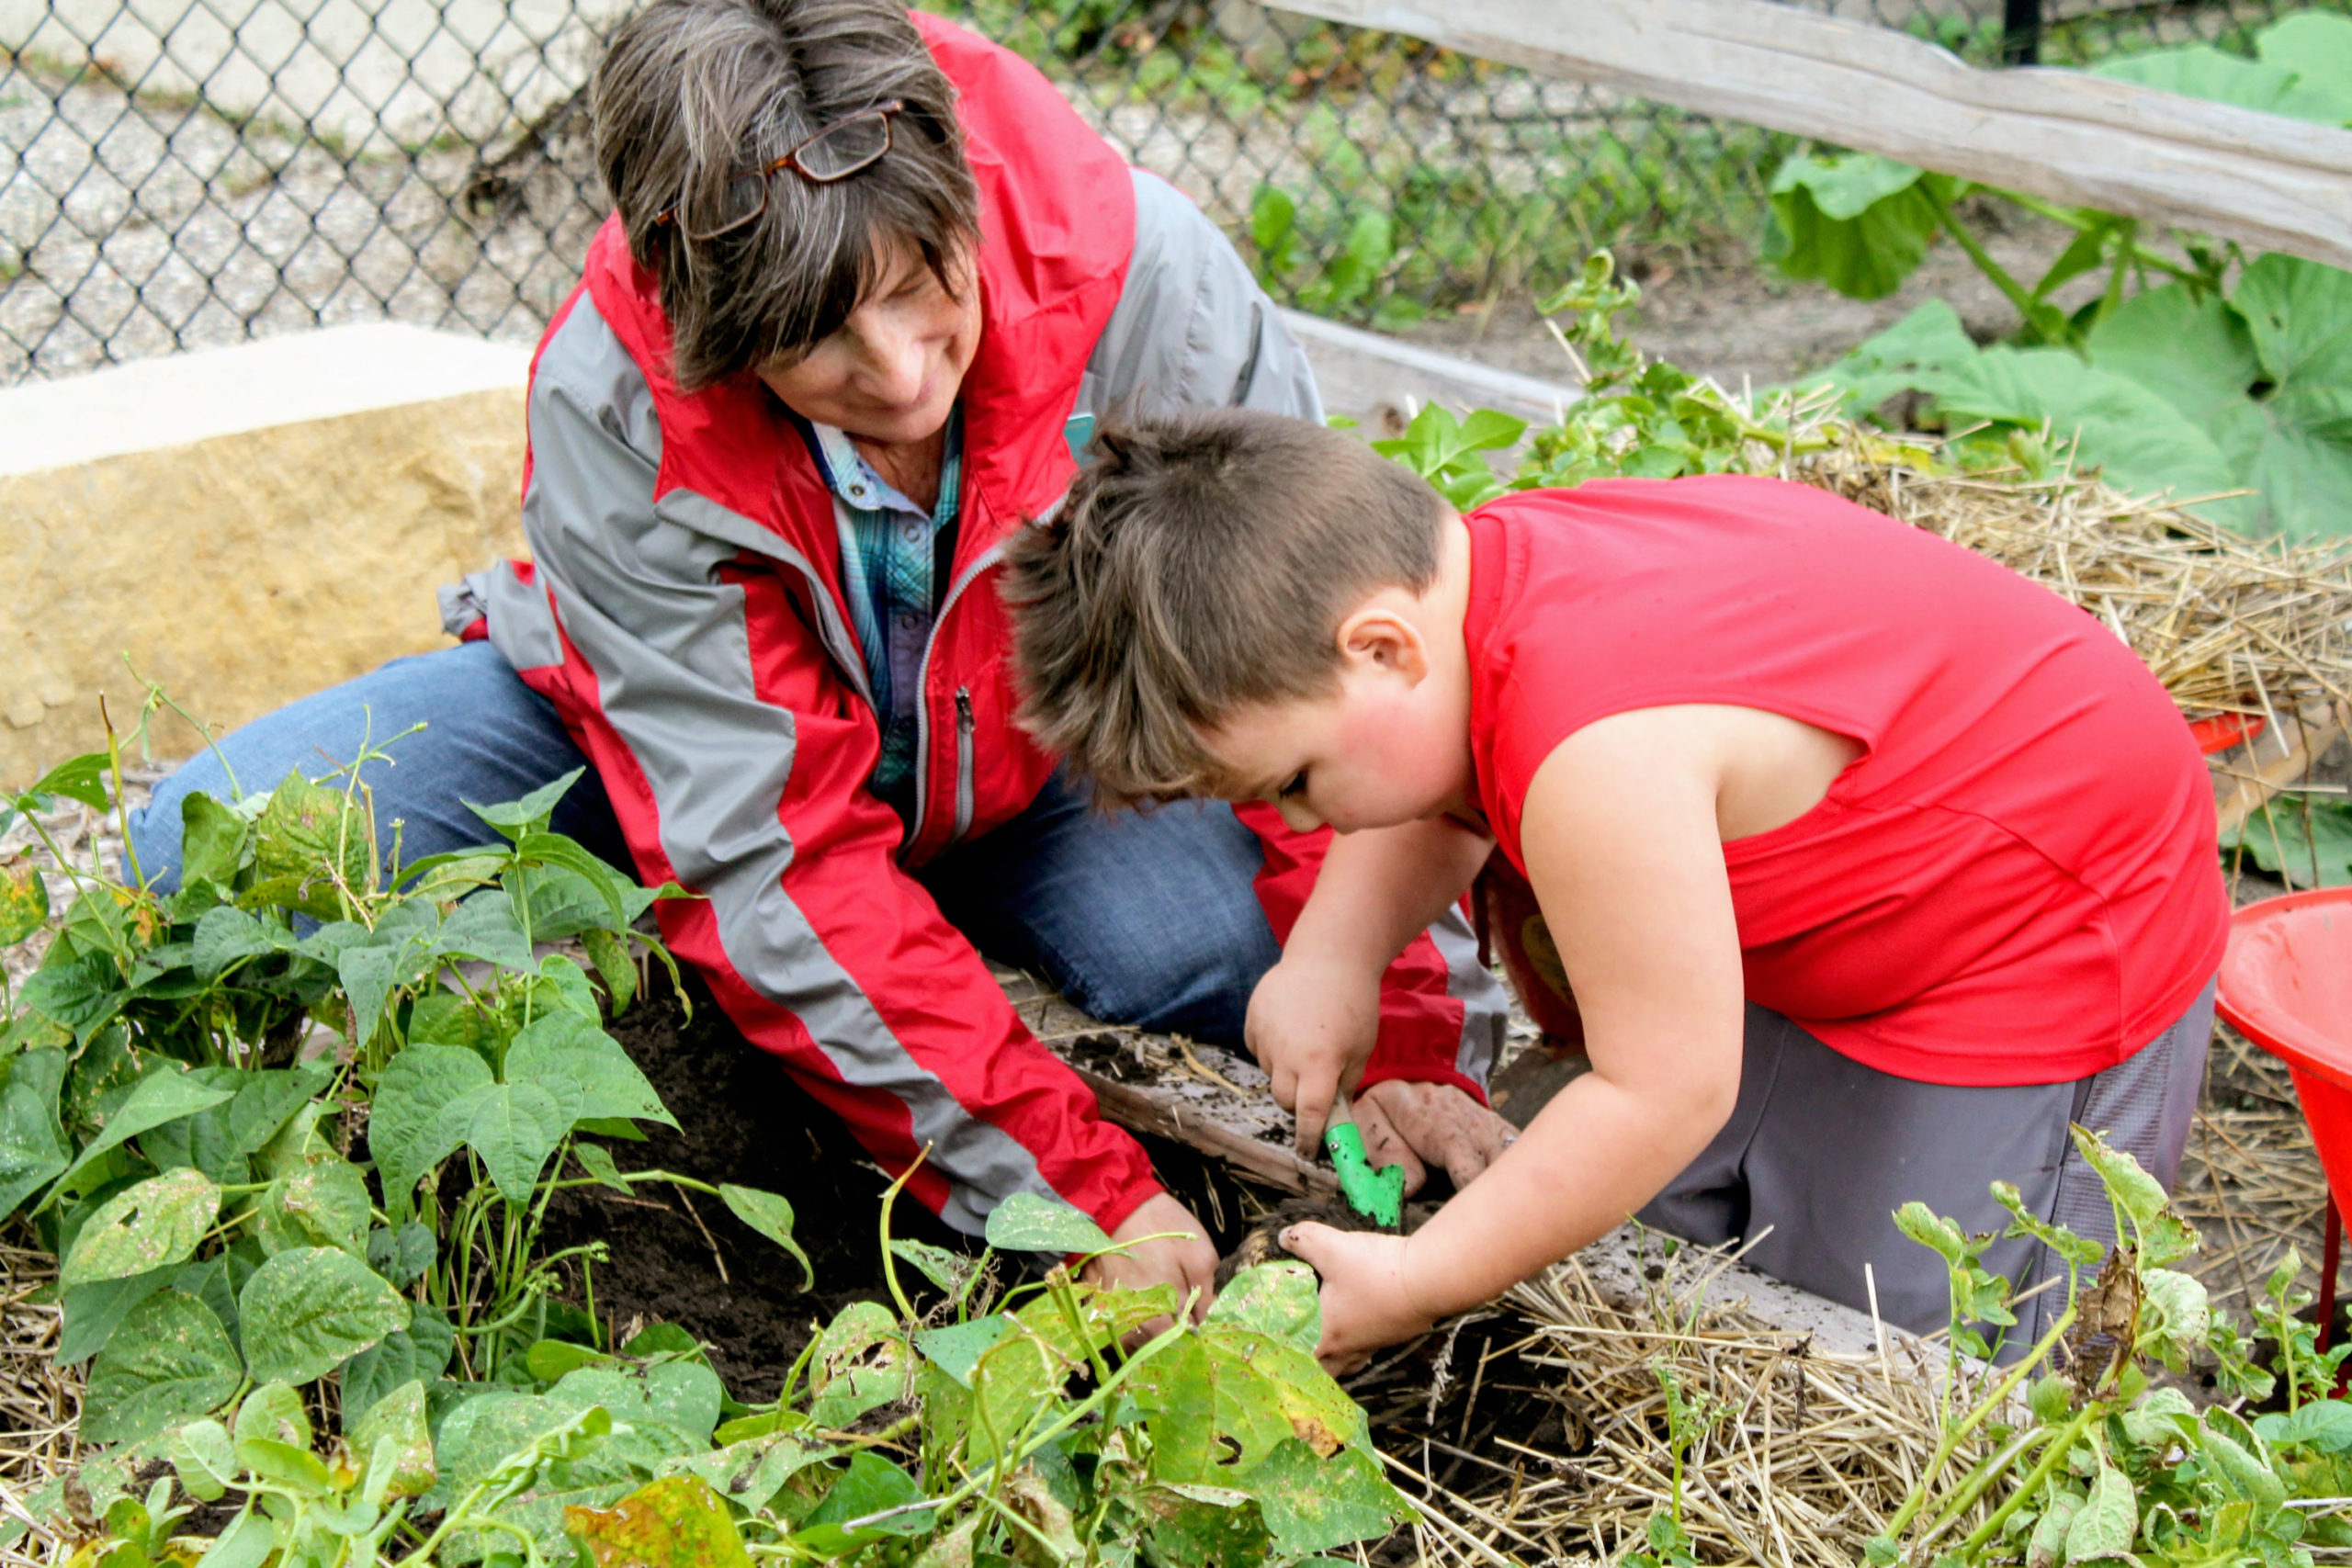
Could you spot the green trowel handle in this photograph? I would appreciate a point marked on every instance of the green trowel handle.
(1378, 1195)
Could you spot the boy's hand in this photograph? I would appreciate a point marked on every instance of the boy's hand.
(1420, 1124)
(1365, 1303)
(1312, 1024)
(1186, 1260)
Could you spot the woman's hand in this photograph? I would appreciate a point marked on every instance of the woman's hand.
(1186, 1260)
(1365, 1302)
(1311, 1024)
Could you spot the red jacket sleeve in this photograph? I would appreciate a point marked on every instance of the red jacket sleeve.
(1441, 1013)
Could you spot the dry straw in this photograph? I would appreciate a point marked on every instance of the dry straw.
(2228, 624)
(39, 1402)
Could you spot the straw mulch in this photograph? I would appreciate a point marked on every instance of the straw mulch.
(2229, 625)
(1790, 1454)
(39, 1402)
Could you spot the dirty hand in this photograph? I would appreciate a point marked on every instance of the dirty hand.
(1365, 1302)
(1186, 1260)
(1311, 1025)
(1420, 1124)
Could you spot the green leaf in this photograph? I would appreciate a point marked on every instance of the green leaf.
(609, 953)
(164, 1095)
(1027, 1222)
(951, 1271)
(213, 840)
(1274, 218)
(83, 994)
(24, 901)
(1194, 1526)
(81, 778)
(2140, 442)
(307, 1310)
(205, 1458)
(247, 1542)
(155, 1223)
(517, 816)
(398, 1418)
(676, 1522)
(266, 1099)
(597, 1161)
(2109, 1519)
(1312, 1503)
(554, 850)
(307, 837)
(419, 1352)
(2183, 1315)
(1931, 1230)
(858, 1364)
(2200, 71)
(1278, 1300)
(871, 1486)
(748, 1473)
(2323, 1424)
(323, 1204)
(683, 1396)
(2300, 316)
(514, 1127)
(956, 1348)
(2308, 843)
(94, 1311)
(170, 1361)
(2137, 1193)
(485, 927)
(772, 1217)
(273, 1413)
(401, 1256)
(1920, 353)
(585, 1069)
(297, 1470)
(33, 1150)
(1860, 223)
(409, 1129)
(2316, 45)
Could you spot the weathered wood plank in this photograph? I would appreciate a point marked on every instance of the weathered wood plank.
(2268, 182)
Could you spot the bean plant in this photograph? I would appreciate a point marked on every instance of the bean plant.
(292, 1130)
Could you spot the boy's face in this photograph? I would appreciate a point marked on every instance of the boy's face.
(1390, 745)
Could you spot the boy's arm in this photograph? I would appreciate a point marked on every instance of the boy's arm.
(1642, 914)
(1315, 1016)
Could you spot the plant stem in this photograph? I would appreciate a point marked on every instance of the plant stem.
(1952, 1440)
(1962, 236)
(2050, 1460)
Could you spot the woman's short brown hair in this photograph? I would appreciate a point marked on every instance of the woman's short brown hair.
(693, 94)
(1202, 565)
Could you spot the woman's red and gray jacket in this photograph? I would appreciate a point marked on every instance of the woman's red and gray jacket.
(683, 611)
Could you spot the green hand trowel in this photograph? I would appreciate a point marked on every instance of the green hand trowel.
(1378, 1195)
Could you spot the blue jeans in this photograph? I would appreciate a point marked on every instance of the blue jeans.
(1147, 919)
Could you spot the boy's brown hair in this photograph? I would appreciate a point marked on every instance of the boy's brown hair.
(1201, 565)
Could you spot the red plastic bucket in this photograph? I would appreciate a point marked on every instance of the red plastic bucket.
(2287, 985)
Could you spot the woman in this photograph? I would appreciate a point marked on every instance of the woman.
(869, 283)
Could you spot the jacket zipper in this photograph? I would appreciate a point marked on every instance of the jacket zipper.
(986, 559)
(964, 727)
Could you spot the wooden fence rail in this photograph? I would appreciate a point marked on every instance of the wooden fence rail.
(2269, 183)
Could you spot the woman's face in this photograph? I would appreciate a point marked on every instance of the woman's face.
(891, 372)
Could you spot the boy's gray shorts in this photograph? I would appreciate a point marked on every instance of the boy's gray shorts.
(1824, 1150)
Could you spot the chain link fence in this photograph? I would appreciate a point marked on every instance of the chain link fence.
(188, 172)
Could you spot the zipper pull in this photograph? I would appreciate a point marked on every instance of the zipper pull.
(964, 722)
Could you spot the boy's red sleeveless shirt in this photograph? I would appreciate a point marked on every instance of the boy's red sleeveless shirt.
(2015, 883)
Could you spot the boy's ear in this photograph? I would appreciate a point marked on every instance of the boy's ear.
(1380, 635)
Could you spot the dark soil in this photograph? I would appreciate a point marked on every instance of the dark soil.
(743, 1120)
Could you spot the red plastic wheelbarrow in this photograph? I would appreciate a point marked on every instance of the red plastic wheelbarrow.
(2287, 985)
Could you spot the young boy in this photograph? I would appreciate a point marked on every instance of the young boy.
(1872, 865)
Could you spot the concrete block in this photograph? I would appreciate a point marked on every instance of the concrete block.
(248, 524)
